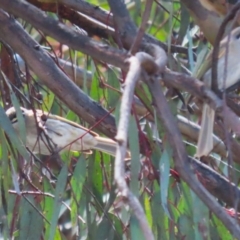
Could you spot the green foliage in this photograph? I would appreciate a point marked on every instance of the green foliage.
(77, 198)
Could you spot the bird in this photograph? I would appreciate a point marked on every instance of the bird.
(47, 134)
(205, 139)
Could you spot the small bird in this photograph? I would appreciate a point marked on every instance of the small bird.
(205, 140)
(47, 133)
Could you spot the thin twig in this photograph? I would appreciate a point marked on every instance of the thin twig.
(141, 30)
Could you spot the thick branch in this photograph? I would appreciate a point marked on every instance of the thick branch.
(91, 26)
(49, 73)
(217, 185)
(64, 34)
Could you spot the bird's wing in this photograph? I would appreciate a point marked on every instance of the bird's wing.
(46, 115)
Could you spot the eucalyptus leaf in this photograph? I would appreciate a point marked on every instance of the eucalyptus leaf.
(8, 128)
(20, 117)
(164, 166)
(59, 192)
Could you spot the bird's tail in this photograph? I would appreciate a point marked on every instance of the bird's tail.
(205, 139)
(108, 146)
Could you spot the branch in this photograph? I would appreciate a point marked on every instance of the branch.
(50, 74)
(64, 34)
(215, 184)
(219, 186)
(128, 30)
(85, 22)
(141, 30)
(119, 175)
(197, 88)
(187, 128)
(12, 33)
(180, 156)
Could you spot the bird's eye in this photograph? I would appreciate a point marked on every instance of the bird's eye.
(44, 117)
(238, 36)
(13, 116)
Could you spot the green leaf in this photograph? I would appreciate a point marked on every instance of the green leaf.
(20, 118)
(164, 166)
(200, 217)
(48, 101)
(190, 51)
(158, 215)
(202, 54)
(105, 229)
(185, 18)
(142, 92)
(117, 112)
(147, 208)
(77, 182)
(59, 192)
(135, 161)
(218, 230)
(31, 222)
(96, 180)
(186, 227)
(8, 128)
(186, 199)
(135, 230)
(113, 96)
